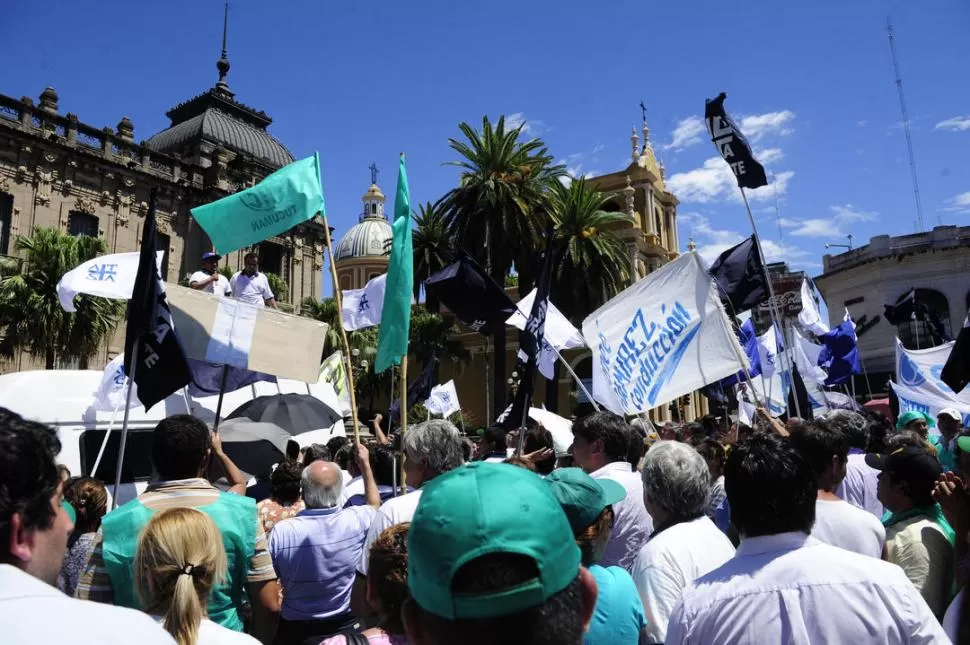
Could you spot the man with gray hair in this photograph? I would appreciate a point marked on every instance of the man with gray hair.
(861, 484)
(315, 554)
(430, 449)
(685, 544)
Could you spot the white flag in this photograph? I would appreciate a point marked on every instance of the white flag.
(362, 307)
(660, 339)
(848, 318)
(809, 315)
(768, 351)
(108, 276)
(806, 355)
(443, 400)
(334, 372)
(559, 333)
(113, 390)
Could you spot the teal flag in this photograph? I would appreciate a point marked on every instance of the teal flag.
(291, 195)
(392, 343)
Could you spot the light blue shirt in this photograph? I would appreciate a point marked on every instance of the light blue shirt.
(618, 616)
(315, 555)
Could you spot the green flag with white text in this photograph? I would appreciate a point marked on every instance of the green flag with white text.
(290, 196)
(392, 343)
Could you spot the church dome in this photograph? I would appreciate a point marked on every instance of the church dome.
(369, 238)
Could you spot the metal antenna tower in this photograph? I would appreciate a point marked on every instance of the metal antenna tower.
(909, 137)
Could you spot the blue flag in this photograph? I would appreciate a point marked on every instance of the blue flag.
(840, 354)
(749, 343)
(207, 378)
(290, 196)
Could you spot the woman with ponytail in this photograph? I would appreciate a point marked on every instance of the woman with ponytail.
(180, 558)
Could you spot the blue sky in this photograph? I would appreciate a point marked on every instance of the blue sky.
(361, 80)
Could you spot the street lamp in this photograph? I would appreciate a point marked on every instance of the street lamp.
(843, 246)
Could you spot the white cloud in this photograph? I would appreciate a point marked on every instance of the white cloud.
(829, 227)
(714, 181)
(958, 204)
(757, 126)
(531, 127)
(955, 124)
(712, 242)
(863, 123)
(599, 147)
(687, 133)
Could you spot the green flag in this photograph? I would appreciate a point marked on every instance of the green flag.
(392, 343)
(288, 197)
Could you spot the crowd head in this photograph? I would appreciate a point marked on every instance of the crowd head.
(322, 484)
(588, 504)
(826, 449)
(34, 527)
(180, 447)
(599, 439)
(285, 482)
(676, 482)
(853, 426)
(431, 449)
(89, 499)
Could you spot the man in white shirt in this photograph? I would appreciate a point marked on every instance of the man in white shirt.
(784, 586)
(34, 528)
(601, 442)
(685, 544)
(859, 487)
(209, 279)
(430, 449)
(251, 286)
(836, 521)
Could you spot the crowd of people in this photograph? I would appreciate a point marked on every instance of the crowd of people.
(842, 529)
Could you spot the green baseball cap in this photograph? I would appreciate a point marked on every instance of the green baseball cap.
(482, 509)
(582, 497)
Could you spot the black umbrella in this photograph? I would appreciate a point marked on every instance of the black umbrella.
(295, 413)
(253, 446)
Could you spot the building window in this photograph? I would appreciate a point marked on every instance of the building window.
(931, 324)
(373, 209)
(79, 224)
(163, 243)
(6, 222)
(271, 258)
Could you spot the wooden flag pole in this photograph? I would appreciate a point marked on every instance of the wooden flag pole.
(404, 417)
(124, 424)
(343, 332)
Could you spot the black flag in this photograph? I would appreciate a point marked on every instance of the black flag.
(956, 372)
(161, 367)
(418, 390)
(904, 309)
(530, 344)
(732, 145)
(471, 294)
(740, 276)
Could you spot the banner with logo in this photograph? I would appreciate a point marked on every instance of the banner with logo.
(443, 400)
(660, 339)
(912, 400)
(107, 276)
(362, 308)
(113, 389)
(920, 370)
(334, 372)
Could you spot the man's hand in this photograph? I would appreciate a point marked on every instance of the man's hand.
(954, 499)
(362, 457)
(540, 455)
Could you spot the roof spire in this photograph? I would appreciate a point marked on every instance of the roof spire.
(223, 63)
(646, 130)
(373, 173)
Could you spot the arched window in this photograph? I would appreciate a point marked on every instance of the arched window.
(6, 222)
(930, 322)
(79, 224)
(373, 209)
(659, 224)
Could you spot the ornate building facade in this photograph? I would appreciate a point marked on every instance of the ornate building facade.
(57, 171)
(651, 238)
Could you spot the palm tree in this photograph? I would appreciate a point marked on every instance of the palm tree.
(497, 212)
(31, 317)
(432, 335)
(326, 311)
(592, 262)
(434, 247)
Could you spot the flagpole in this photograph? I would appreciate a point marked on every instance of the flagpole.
(488, 415)
(222, 391)
(737, 352)
(343, 332)
(772, 303)
(107, 434)
(404, 414)
(576, 378)
(124, 423)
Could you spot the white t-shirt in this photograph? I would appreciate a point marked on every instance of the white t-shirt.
(396, 510)
(220, 287)
(848, 527)
(211, 633)
(32, 611)
(670, 561)
(951, 620)
(253, 291)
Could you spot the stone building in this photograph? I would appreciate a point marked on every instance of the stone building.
(651, 238)
(935, 263)
(58, 171)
